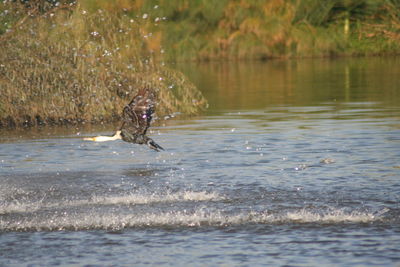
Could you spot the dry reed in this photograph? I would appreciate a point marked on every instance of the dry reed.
(68, 65)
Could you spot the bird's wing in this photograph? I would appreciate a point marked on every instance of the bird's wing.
(138, 113)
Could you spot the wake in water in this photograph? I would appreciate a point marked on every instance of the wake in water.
(35, 207)
(179, 209)
(21, 206)
(198, 218)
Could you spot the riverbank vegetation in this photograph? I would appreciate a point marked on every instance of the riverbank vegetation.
(68, 62)
(214, 30)
(65, 64)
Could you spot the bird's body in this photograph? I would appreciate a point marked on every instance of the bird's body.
(136, 118)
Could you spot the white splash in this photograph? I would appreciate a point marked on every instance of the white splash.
(18, 207)
(155, 198)
(128, 199)
(181, 218)
(332, 216)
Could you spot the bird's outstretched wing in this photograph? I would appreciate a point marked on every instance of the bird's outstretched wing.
(138, 113)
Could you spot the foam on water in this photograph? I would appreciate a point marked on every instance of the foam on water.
(154, 198)
(181, 218)
(332, 216)
(20, 206)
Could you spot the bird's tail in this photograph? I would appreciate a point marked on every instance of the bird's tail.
(154, 145)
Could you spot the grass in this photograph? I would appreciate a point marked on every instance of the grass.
(239, 29)
(68, 65)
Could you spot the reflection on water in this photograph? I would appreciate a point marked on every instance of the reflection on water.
(294, 163)
(256, 85)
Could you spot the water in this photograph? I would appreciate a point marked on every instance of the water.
(294, 163)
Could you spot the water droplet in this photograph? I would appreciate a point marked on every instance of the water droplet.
(327, 161)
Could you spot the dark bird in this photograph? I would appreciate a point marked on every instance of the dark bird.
(136, 118)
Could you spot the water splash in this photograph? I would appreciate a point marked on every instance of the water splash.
(21, 206)
(331, 216)
(180, 218)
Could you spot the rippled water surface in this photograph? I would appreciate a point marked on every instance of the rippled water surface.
(294, 163)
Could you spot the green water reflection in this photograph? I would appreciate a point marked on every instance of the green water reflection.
(307, 82)
(373, 83)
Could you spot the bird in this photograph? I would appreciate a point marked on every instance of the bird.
(136, 118)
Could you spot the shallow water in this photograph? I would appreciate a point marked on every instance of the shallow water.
(294, 163)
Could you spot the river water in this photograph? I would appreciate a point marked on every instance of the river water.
(295, 163)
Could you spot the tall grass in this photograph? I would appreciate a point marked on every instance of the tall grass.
(244, 29)
(69, 64)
